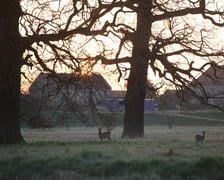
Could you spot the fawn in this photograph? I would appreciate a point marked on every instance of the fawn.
(200, 137)
(104, 135)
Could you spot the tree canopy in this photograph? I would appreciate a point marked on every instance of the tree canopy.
(182, 38)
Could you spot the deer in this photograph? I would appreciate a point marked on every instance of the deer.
(104, 135)
(200, 138)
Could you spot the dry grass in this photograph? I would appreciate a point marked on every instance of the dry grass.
(60, 145)
(159, 142)
(152, 133)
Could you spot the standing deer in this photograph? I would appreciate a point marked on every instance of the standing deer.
(104, 135)
(200, 138)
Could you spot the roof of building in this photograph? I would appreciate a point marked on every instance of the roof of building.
(95, 81)
(212, 76)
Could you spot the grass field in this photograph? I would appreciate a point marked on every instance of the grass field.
(77, 153)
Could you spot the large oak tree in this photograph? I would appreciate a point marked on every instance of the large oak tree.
(176, 40)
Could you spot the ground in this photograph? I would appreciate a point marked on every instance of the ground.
(77, 153)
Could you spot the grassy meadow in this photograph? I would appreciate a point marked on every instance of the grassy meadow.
(75, 152)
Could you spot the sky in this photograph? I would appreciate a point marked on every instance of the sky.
(94, 46)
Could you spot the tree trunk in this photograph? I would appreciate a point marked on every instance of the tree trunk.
(11, 54)
(137, 81)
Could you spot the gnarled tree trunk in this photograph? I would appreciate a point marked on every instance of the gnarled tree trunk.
(137, 81)
(10, 58)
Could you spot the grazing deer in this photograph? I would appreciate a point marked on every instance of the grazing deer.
(200, 138)
(104, 135)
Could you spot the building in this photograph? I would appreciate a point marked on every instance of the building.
(69, 91)
(117, 101)
(51, 95)
(209, 86)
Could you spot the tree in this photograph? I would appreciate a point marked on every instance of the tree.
(137, 81)
(40, 26)
(159, 47)
(11, 54)
(176, 39)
